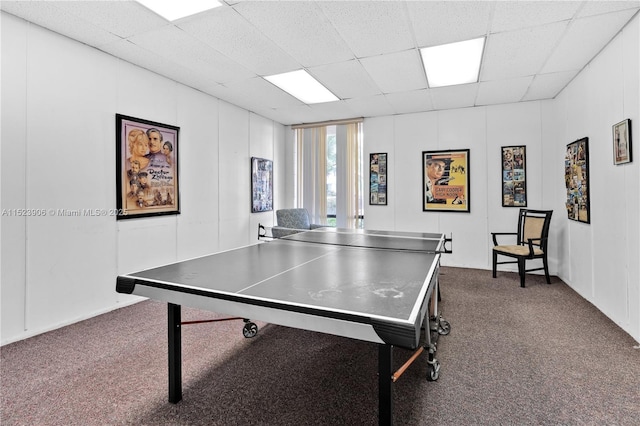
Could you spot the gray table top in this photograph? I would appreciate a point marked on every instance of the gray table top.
(382, 277)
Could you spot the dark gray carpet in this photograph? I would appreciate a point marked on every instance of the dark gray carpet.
(535, 356)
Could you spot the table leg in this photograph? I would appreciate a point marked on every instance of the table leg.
(385, 389)
(175, 353)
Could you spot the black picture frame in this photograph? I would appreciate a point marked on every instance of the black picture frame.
(514, 176)
(261, 185)
(576, 171)
(147, 179)
(622, 148)
(446, 189)
(378, 179)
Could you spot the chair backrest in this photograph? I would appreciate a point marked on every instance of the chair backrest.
(534, 224)
(293, 218)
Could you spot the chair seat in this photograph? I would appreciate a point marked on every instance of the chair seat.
(518, 250)
(532, 236)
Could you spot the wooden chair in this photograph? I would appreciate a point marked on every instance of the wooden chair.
(532, 238)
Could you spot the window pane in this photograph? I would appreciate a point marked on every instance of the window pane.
(331, 171)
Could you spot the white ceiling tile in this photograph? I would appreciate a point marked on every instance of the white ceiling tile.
(502, 91)
(371, 106)
(591, 8)
(263, 93)
(233, 36)
(408, 102)
(454, 96)
(547, 86)
(332, 110)
(511, 15)
(581, 42)
(371, 27)
(364, 51)
(438, 22)
(48, 15)
(179, 47)
(295, 26)
(121, 18)
(148, 60)
(295, 115)
(396, 72)
(519, 53)
(345, 79)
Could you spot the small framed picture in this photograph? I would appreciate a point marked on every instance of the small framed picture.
(514, 176)
(378, 179)
(622, 142)
(261, 185)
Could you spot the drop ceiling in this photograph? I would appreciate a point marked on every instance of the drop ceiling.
(365, 52)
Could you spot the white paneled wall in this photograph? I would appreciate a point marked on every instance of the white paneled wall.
(598, 260)
(483, 131)
(59, 100)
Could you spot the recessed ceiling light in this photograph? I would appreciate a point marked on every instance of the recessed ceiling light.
(454, 63)
(301, 85)
(176, 9)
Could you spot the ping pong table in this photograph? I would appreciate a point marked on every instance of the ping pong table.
(375, 286)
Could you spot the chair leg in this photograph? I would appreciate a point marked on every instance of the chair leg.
(495, 262)
(546, 269)
(521, 271)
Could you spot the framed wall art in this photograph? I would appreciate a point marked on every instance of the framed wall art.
(261, 185)
(445, 180)
(146, 168)
(622, 142)
(576, 176)
(514, 176)
(378, 179)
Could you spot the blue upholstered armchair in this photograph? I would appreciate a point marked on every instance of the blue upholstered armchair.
(291, 221)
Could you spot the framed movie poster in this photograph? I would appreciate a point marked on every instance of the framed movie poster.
(514, 176)
(576, 176)
(261, 185)
(445, 180)
(146, 168)
(622, 142)
(378, 179)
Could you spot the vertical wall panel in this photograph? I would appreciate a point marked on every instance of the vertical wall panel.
(58, 154)
(234, 175)
(13, 165)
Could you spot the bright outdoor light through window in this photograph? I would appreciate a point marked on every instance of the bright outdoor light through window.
(454, 63)
(301, 85)
(176, 9)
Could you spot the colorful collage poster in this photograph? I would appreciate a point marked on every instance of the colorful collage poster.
(147, 168)
(445, 180)
(576, 176)
(378, 179)
(514, 182)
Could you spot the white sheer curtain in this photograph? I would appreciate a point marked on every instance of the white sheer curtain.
(353, 174)
(312, 172)
(311, 178)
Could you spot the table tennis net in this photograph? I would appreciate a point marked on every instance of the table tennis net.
(382, 240)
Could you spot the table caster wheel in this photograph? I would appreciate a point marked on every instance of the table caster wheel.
(249, 330)
(433, 371)
(444, 327)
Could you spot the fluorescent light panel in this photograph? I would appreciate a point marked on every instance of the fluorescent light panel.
(454, 63)
(176, 9)
(301, 85)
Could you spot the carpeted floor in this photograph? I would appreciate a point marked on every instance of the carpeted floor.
(535, 356)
